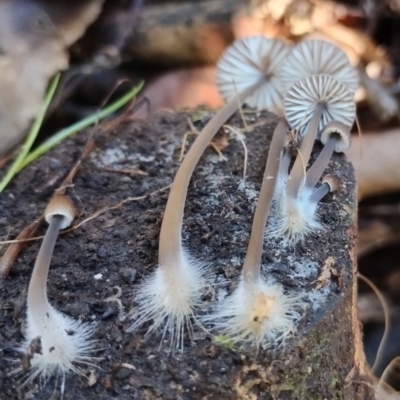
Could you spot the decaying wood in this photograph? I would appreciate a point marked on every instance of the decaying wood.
(324, 359)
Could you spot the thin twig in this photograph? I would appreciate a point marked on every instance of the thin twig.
(70, 177)
(11, 254)
(240, 108)
(93, 216)
(386, 313)
(109, 208)
(195, 131)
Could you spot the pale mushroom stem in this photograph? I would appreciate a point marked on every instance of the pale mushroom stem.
(297, 173)
(283, 174)
(170, 246)
(318, 167)
(284, 165)
(318, 194)
(252, 262)
(37, 293)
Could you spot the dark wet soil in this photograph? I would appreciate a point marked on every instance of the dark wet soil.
(116, 250)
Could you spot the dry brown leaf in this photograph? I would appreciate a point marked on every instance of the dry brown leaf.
(183, 88)
(34, 38)
(350, 376)
(326, 273)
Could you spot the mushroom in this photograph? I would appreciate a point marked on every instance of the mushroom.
(259, 311)
(314, 57)
(62, 341)
(336, 138)
(245, 74)
(320, 84)
(252, 64)
(315, 98)
(330, 184)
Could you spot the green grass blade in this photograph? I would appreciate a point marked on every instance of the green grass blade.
(78, 126)
(33, 132)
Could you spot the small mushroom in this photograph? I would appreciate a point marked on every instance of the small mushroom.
(59, 214)
(314, 57)
(63, 340)
(316, 99)
(336, 138)
(245, 74)
(258, 311)
(330, 184)
(253, 62)
(324, 99)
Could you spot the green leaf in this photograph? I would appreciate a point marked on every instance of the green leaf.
(26, 147)
(80, 125)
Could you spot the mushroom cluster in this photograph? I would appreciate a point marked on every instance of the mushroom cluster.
(318, 103)
(312, 85)
(311, 88)
(247, 74)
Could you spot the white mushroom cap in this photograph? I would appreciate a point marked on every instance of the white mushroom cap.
(249, 61)
(313, 57)
(60, 205)
(341, 132)
(306, 94)
(332, 181)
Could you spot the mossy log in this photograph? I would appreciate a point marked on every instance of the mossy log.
(97, 266)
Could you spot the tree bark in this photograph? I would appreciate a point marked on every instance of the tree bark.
(118, 248)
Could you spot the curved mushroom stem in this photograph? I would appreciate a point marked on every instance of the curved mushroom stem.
(252, 262)
(318, 194)
(317, 169)
(170, 246)
(294, 185)
(37, 293)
